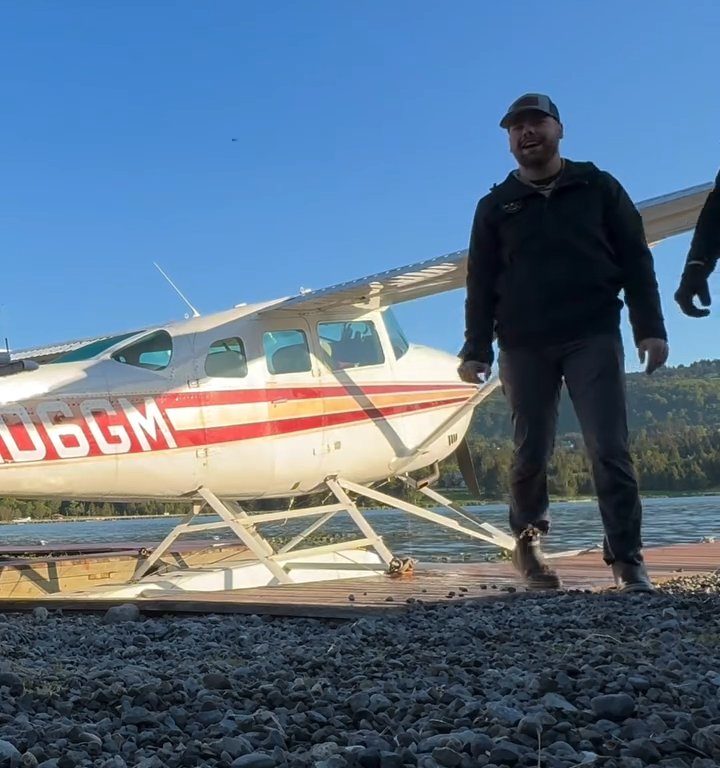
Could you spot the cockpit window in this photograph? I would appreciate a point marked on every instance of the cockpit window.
(286, 352)
(153, 352)
(226, 360)
(94, 348)
(398, 341)
(350, 344)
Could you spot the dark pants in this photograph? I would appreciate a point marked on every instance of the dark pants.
(593, 371)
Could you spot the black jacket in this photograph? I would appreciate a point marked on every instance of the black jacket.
(705, 245)
(545, 270)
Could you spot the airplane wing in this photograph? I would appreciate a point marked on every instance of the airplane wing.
(49, 352)
(442, 273)
(673, 214)
(662, 217)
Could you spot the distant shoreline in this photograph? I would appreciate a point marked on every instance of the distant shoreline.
(94, 518)
(459, 498)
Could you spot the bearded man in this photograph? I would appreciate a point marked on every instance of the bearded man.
(551, 248)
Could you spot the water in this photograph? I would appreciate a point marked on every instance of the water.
(574, 525)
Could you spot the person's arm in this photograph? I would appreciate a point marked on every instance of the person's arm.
(482, 269)
(640, 283)
(705, 245)
(702, 257)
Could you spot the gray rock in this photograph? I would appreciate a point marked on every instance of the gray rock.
(235, 746)
(358, 701)
(535, 723)
(632, 762)
(562, 749)
(446, 757)
(9, 755)
(336, 761)
(83, 737)
(636, 729)
(216, 682)
(254, 760)
(613, 706)
(480, 745)
(507, 753)
(555, 701)
(369, 758)
(119, 614)
(644, 749)
(324, 751)
(40, 614)
(505, 715)
(13, 682)
(440, 740)
(390, 760)
(379, 703)
(139, 716)
(639, 683)
(707, 740)
(210, 717)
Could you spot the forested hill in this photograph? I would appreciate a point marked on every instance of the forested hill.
(682, 396)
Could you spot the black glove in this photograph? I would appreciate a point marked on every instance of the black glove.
(694, 282)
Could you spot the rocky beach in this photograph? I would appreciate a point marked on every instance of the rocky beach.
(555, 681)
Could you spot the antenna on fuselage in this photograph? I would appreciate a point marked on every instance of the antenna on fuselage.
(195, 313)
(4, 354)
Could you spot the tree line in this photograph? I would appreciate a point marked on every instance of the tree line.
(673, 461)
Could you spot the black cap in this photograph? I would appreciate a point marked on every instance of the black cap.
(535, 101)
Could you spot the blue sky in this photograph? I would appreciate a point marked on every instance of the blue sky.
(252, 148)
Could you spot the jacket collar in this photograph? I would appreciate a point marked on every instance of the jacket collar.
(573, 173)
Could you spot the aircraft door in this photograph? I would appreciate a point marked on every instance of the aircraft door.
(294, 402)
(228, 385)
(361, 435)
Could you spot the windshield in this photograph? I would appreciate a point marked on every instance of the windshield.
(92, 349)
(152, 352)
(398, 340)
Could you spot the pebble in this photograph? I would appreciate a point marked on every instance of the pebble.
(538, 681)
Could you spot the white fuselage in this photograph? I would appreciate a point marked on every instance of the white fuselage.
(246, 406)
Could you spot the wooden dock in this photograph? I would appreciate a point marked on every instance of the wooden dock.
(431, 584)
(34, 572)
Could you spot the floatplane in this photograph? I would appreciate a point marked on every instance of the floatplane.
(318, 392)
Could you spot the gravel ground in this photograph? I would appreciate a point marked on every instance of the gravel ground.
(552, 681)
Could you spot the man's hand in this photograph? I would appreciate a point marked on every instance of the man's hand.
(656, 350)
(693, 283)
(474, 372)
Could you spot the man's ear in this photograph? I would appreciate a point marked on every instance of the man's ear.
(562, 131)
